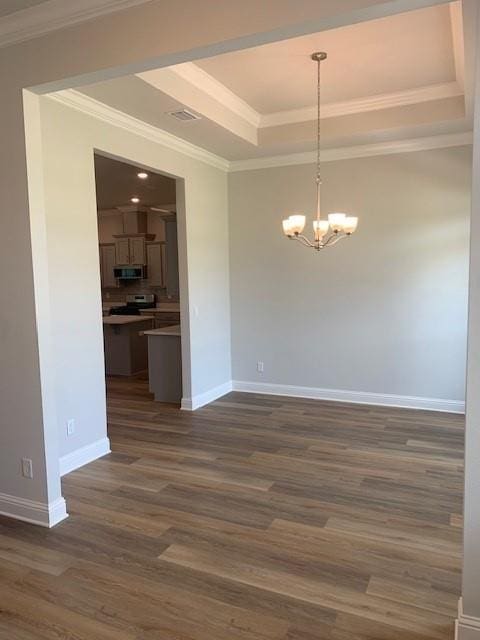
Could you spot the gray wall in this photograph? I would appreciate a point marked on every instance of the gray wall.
(469, 614)
(382, 312)
(69, 138)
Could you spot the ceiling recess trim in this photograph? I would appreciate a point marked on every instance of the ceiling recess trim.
(458, 41)
(357, 151)
(101, 111)
(199, 80)
(368, 103)
(55, 14)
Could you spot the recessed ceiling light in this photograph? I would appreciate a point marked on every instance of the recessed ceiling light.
(135, 199)
(142, 175)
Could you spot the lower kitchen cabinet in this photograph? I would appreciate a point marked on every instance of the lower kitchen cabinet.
(166, 319)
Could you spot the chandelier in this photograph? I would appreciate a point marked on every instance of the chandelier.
(328, 232)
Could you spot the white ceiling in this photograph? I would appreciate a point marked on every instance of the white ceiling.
(393, 78)
(381, 56)
(11, 6)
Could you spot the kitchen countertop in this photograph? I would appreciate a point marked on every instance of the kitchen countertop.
(174, 330)
(164, 307)
(119, 320)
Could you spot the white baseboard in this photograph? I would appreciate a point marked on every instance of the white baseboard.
(200, 400)
(358, 397)
(466, 627)
(84, 455)
(35, 512)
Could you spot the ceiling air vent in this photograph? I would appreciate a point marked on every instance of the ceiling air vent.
(184, 115)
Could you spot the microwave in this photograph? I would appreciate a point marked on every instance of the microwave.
(134, 272)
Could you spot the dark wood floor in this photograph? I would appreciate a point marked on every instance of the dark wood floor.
(256, 518)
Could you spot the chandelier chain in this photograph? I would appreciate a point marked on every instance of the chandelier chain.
(318, 119)
(318, 178)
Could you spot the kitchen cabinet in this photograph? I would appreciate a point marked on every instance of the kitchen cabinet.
(172, 282)
(156, 264)
(165, 364)
(165, 320)
(122, 250)
(137, 251)
(125, 347)
(130, 250)
(107, 263)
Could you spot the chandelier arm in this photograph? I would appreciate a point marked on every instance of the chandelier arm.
(333, 239)
(305, 241)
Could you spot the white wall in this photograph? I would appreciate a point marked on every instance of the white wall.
(383, 312)
(69, 139)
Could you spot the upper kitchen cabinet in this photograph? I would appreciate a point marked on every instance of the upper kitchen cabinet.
(137, 251)
(130, 244)
(122, 251)
(156, 264)
(172, 280)
(131, 250)
(107, 264)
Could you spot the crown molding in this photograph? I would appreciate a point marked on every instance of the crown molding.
(101, 111)
(365, 104)
(55, 14)
(358, 151)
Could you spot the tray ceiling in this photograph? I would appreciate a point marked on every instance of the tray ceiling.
(387, 79)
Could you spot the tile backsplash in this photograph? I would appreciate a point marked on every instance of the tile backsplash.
(118, 294)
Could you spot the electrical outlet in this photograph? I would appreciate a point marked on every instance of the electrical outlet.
(70, 427)
(27, 468)
(260, 366)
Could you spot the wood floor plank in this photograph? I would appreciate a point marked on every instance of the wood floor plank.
(254, 518)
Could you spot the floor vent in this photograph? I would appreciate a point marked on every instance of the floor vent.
(184, 115)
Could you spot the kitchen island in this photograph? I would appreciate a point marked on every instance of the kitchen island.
(126, 351)
(165, 363)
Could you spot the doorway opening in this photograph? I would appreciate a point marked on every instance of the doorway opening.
(138, 253)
